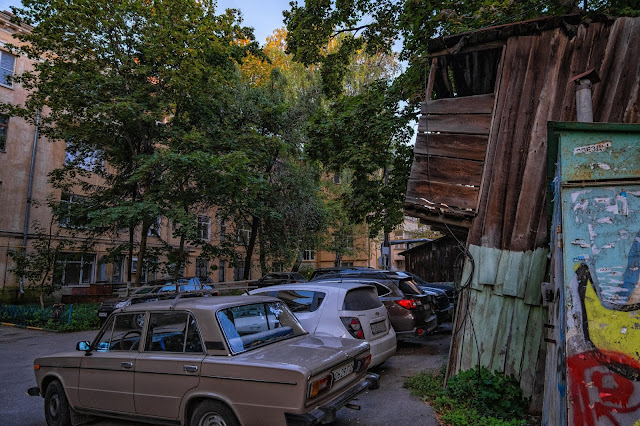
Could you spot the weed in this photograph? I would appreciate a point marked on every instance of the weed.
(472, 398)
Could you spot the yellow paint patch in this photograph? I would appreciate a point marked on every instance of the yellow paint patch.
(612, 330)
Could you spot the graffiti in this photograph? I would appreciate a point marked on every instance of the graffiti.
(603, 321)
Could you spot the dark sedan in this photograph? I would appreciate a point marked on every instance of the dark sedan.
(274, 278)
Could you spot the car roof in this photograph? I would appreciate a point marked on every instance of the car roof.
(204, 303)
(313, 285)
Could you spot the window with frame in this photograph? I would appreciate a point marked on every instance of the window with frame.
(202, 267)
(301, 300)
(309, 254)
(75, 268)
(69, 215)
(4, 126)
(154, 229)
(122, 333)
(7, 68)
(204, 225)
(173, 332)
(243, 236)
(223, 230)
(222, 271)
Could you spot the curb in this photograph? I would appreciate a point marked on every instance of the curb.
(28, 327)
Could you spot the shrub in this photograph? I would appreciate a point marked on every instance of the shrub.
(472, 398)
(74, 317)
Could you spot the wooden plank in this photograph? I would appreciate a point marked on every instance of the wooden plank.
(478, 323)
(464, 197)
(468, 341)
(475, 124)
(478, 104)
(502, 335)
(487, 325)
(470, 147)
(432, 77)
(533, 292)
(515, 277)
(446, 170)
(487, 265)
(517, 332)
(531, 355)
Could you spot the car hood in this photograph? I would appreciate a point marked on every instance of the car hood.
(310, 352)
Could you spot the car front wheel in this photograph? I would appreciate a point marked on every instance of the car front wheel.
(56, 406)
(213, 413)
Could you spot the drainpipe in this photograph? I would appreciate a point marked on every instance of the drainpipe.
(29, 193)
(584, 102)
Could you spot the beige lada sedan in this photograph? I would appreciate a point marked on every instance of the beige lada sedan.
(205, 361)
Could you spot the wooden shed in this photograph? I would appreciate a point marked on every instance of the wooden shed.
(439, 260)
(480, 165)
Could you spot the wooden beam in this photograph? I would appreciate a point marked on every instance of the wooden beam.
(470, 147)
(478, 104)
(463, 197)
(475, 124)
(446, 170)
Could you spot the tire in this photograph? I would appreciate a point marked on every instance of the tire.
(213, 413)
(56, 405)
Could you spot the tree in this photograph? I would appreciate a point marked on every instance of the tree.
(139, 92)
(38, 264)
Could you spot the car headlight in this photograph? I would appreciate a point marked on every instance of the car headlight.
(122, 304)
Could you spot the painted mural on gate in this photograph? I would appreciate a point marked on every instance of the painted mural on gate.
(601, 226)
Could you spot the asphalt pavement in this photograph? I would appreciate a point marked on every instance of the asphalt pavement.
(391, 404)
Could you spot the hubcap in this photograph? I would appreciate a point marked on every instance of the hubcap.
(54, 405)
(212, 419)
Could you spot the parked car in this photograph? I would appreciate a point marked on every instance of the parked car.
(318, 273)
(448, 287)
(274, 278)
(150, 292)
(229, 360)
(347, 310)
(411, 311)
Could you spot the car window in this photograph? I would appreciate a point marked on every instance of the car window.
(409, 287)
(361, 299)
(301, 300)
(167, 332)
(258, 324)
(122, 333)
(382, 290)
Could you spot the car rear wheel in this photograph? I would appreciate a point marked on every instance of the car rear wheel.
(213, 413)
(56, 406)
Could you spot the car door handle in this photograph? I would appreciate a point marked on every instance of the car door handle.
(126, 364)
(190, 368)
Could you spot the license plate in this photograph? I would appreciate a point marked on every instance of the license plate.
(342, 372)
(102, 314)
(378, 327)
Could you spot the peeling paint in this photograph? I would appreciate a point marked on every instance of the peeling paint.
(604, 166)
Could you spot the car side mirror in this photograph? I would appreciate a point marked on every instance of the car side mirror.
(84, 346)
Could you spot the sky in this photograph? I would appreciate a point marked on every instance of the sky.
(263, 15)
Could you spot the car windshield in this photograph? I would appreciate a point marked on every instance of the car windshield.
(409, 287)
(250, 326)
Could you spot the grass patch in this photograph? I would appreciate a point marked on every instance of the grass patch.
(76, 317)
(472, 398)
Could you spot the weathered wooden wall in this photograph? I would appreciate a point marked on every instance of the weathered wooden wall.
(502, 317)
(436, 261)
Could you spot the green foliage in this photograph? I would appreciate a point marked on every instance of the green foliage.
(139, 93)
(473, 397)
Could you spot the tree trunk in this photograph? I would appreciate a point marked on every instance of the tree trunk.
(255, 224)
(338, 261)
(264, 268)
(176, 273)
(130, 261)
(142, 252)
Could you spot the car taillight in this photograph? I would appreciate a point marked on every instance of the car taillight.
(363, 363)
(407, 303)
(353, 326)
(320, 385)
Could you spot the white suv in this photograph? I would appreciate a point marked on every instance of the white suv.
(347, 310)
